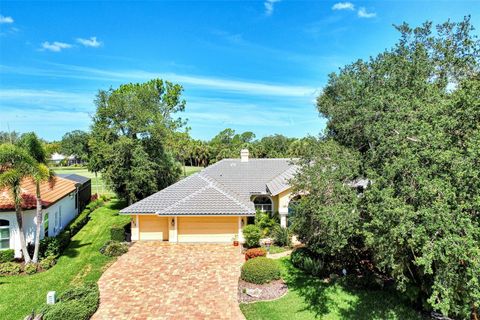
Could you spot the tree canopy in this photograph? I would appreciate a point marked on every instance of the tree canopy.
(130, 130)
(409, 121)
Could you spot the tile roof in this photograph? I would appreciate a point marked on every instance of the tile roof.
(224, 188)
(51, 193)
(281, 182)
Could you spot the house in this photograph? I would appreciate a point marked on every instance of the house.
(60, 159)
(60, 205)
(214, 204)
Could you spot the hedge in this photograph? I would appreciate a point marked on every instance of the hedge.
(78, 303)
(309, 262)
(117, 233)
(260, 270)
(114, 248)
(10, 269)
(7, 255)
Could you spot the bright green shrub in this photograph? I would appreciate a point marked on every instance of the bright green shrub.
(114, 248)
(260, 270)
(281, 236)
(49, 246)
(117, 233)
(6, 255)
(47, 262)
(78, 303)
(10, 269)
(266, 222)
(252, 235)
(30, 268)
(79, 221)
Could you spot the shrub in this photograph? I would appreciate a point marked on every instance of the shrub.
(252, 235)
(266, 222)
(307, 261)
(260, 270)
(114, 248)
(75, 303)
(49, 246)
(281, 236)
(7, 255)
(255, 252)
(80, 221)
(10, 269)
(47, 262)
(117, 233)
(64, 240)
(30, 268)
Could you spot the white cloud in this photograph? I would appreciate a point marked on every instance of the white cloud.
(91, 42)
(55, 46)
(363, 13)
(343, 6)
(4, 19)
(269, 6)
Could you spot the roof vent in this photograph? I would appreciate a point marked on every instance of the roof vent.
(244, 155)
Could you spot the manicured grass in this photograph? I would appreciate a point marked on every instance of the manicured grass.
(191, 170)
(276, 249)
(80, 263)
(310, 298)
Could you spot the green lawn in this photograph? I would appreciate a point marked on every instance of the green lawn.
(189, 170)
(310, 298)
(81, 262)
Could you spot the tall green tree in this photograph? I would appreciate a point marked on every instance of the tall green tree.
(412, 113)
(76, 143)
(39, 173)
(130, 130)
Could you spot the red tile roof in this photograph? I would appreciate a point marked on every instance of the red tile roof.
(50, 193)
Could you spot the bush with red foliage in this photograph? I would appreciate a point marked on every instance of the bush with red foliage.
(94, 197)
(255, 252)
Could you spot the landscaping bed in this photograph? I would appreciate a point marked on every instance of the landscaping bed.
(250, 292)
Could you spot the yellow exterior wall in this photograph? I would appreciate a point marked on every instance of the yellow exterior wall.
(283, 201)
(153, 227)
(207, 229)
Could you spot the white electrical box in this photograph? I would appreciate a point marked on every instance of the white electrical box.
(51, 297)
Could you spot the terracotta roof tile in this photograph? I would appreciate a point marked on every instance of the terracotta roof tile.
(51, 193)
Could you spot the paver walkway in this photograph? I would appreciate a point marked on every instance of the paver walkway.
(156, 280)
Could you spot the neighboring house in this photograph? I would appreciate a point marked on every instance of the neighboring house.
(58, 159)
(84, 186)
(60, 206)
(214, 204)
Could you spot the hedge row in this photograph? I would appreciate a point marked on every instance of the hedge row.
(54, 246)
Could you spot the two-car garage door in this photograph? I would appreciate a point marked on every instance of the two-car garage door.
(207, 229)
(189, 229)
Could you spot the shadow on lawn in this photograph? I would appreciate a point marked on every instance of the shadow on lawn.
(321, 298)
(72, 250)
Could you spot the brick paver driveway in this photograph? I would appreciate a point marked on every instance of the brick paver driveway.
(157, 280)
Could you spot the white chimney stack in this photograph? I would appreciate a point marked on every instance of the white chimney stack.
(244, 155)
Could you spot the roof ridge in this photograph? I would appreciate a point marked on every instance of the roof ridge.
(214, 183)
(184, 198)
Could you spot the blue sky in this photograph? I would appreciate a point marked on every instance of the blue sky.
(247, 65)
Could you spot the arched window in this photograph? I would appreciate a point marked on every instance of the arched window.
(4, 234)
(263, 204)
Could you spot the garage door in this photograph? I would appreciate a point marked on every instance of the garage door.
(207, 229)
(153, 227)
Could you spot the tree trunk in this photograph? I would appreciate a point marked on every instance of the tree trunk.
(39, 224)
(23, 245)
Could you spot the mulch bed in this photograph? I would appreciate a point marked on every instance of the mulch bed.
(269, 291)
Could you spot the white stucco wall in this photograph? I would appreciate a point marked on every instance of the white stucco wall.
(67, 208)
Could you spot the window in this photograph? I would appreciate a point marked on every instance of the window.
(263, 204)
(45, 224)
(4, 234)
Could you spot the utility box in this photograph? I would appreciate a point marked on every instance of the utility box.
(51, 297)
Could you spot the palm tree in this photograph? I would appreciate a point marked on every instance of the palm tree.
(16, 165)
(39, 173)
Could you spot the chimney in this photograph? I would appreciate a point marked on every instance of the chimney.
(244, 155)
